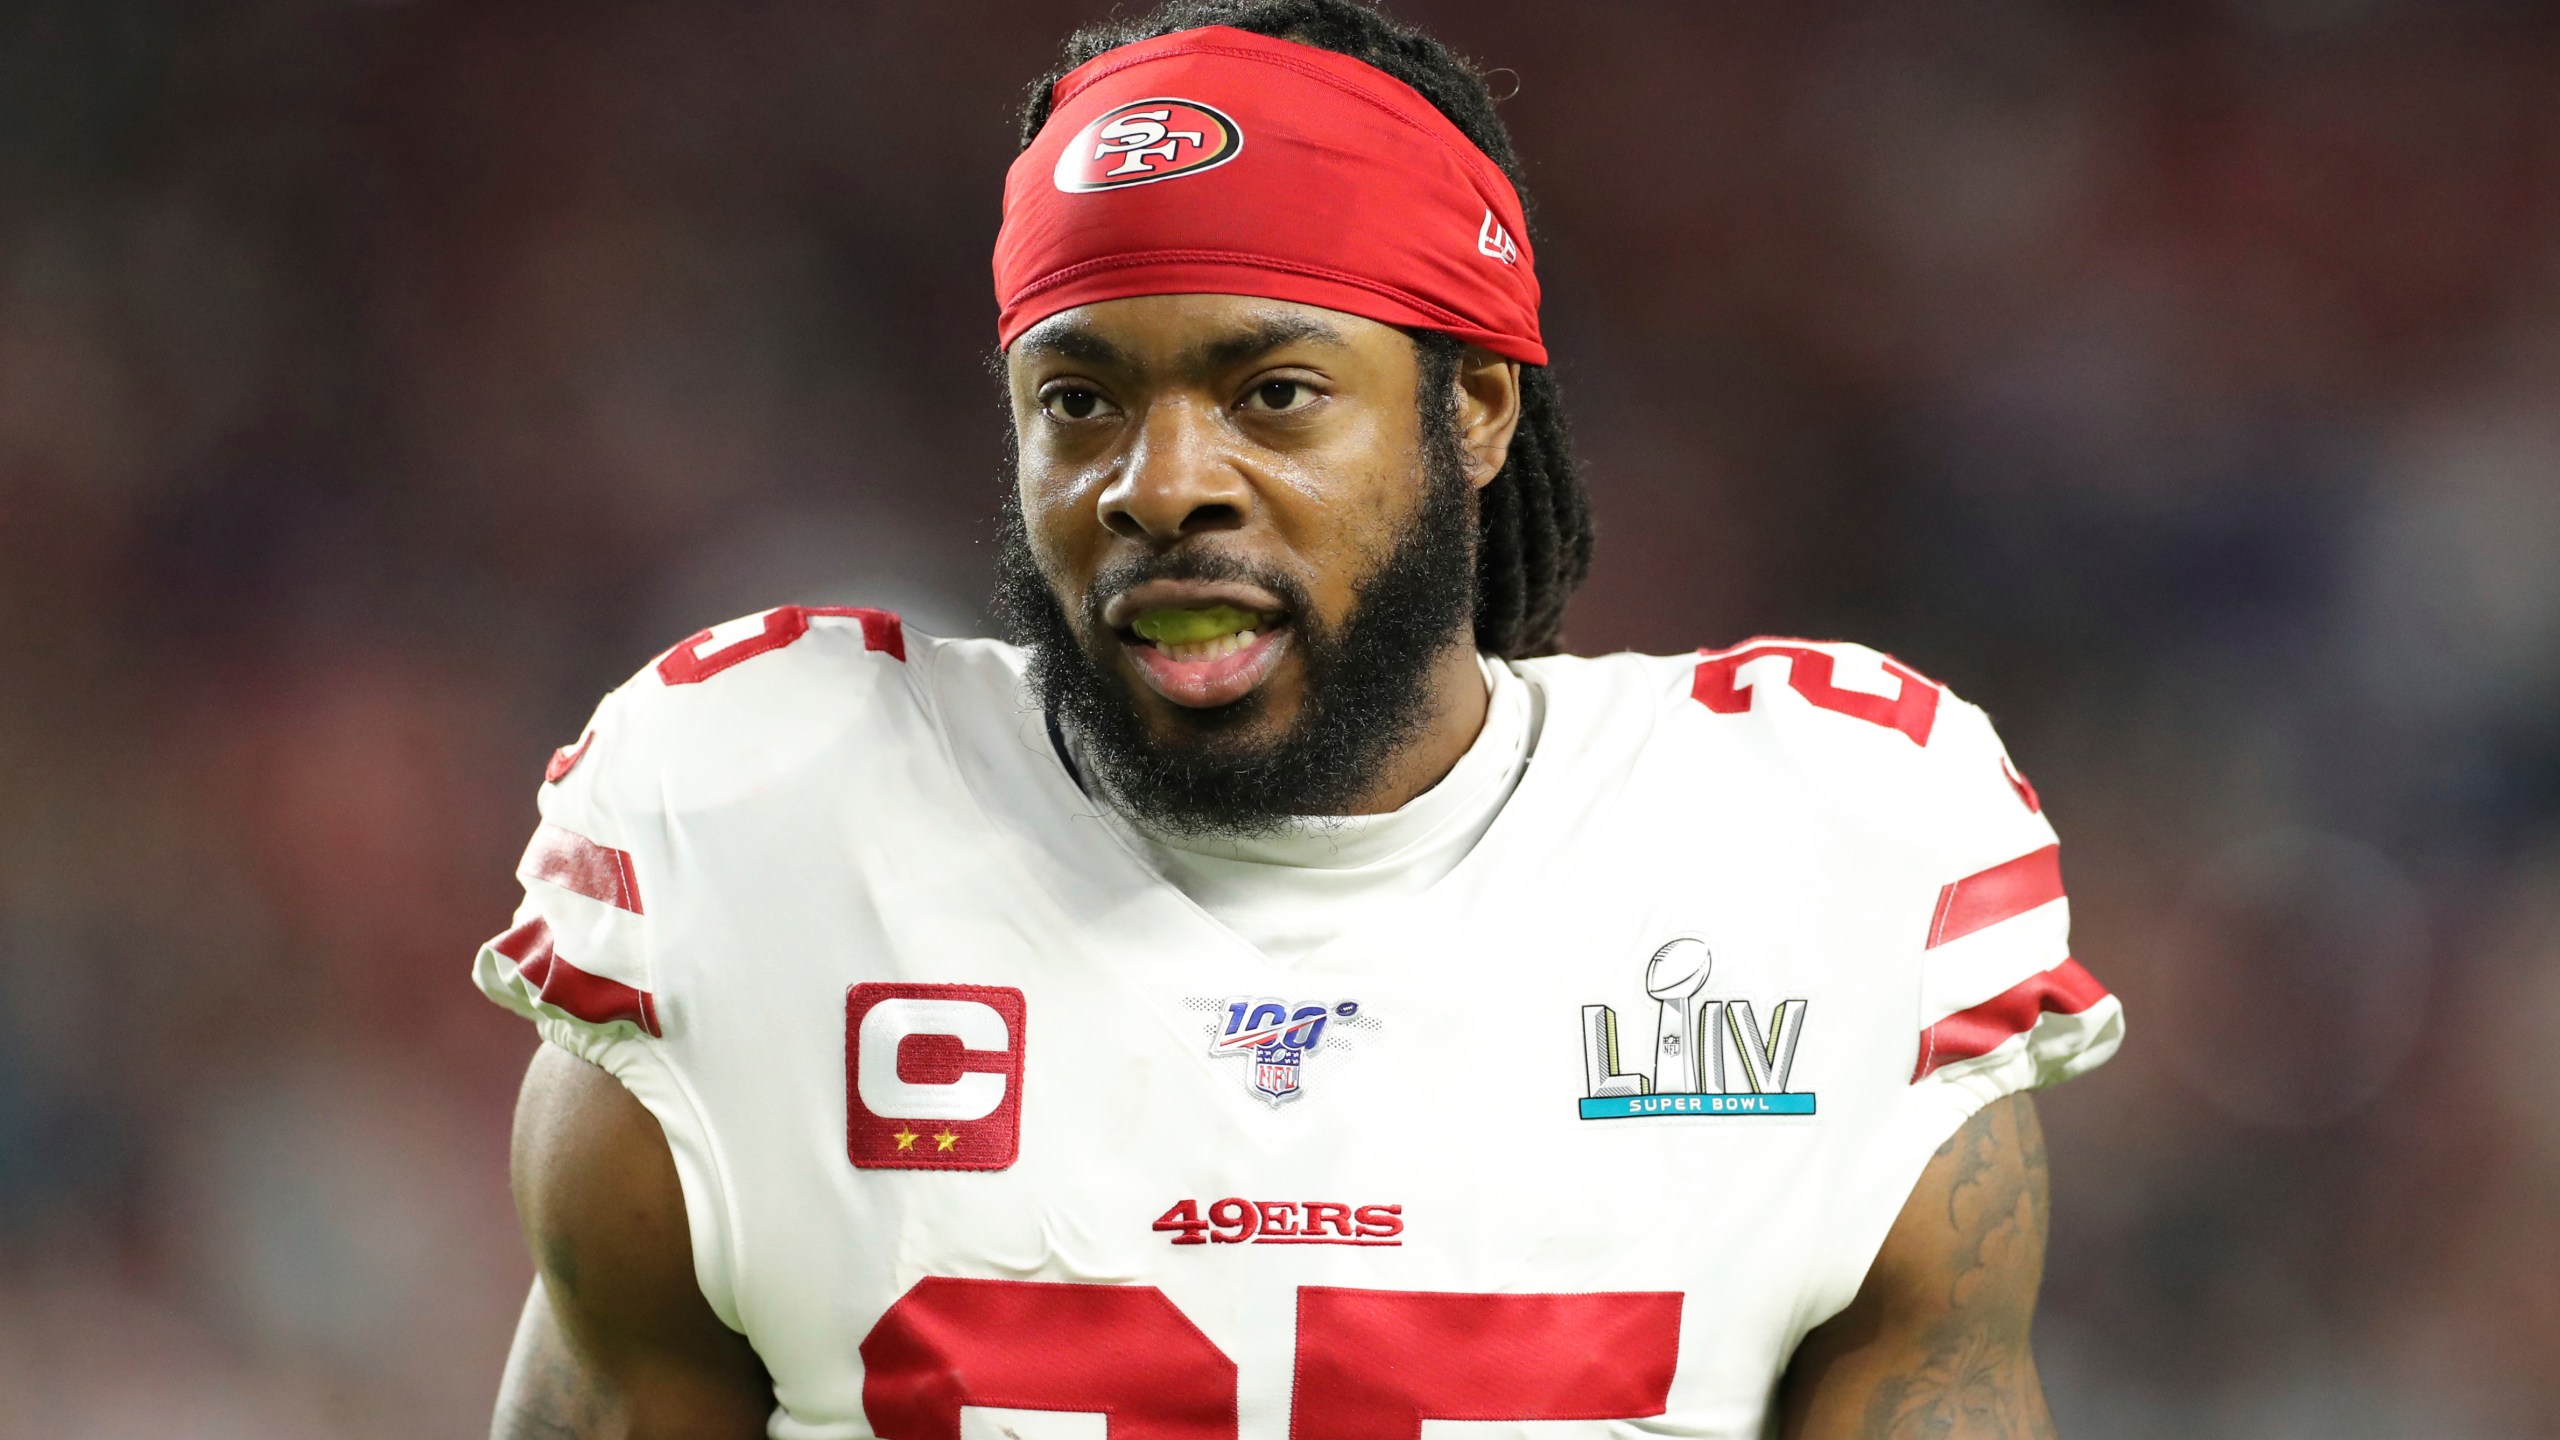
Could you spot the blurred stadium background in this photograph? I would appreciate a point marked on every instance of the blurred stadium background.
(380, 382)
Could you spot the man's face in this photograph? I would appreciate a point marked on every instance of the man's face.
(1245, 536)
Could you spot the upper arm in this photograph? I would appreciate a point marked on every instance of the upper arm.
(617, 1342)
(1936, 1342)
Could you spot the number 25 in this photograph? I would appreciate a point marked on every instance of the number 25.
(1911, 709)
(1372, 1364)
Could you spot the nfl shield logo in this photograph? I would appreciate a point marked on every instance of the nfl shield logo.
(1277, 1036)
(1275, 1070)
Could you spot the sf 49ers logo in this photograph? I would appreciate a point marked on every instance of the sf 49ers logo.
(1236, 1221)
(1145, 141)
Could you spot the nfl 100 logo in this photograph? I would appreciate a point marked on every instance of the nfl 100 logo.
(1277, 1036)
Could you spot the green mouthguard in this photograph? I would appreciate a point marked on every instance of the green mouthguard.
(1189, 627)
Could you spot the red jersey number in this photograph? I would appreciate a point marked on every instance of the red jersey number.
(1375, 1364)
(694, 660)
(1371, 1364)
(1122, 1350)
(1911, 709)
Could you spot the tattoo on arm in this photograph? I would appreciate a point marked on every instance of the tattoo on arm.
(1976, 1379)
(547, 1393)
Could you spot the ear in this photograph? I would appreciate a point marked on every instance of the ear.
(1488, 412)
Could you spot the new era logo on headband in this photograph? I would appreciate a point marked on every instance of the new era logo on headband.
(1145, 141)
(1494, 241)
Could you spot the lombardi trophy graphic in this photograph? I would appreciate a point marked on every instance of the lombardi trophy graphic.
(1674, 976)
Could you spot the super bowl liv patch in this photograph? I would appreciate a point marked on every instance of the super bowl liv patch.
(1711, 1056)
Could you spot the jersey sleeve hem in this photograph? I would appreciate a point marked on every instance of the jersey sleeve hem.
(653, 1081)
(2056, 1047)
(623, 1044)
(524, 971)
(2003, 1054)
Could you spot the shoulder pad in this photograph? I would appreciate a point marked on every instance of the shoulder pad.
(1879, 690)
(1878, 737)
(742, 703)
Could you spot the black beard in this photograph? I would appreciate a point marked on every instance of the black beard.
(1365, 686)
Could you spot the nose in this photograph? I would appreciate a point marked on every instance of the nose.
(1176, 480)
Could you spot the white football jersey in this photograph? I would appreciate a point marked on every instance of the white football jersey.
(985, 1130)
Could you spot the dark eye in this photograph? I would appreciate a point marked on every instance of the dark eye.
(1281, 395)
(1072, 404)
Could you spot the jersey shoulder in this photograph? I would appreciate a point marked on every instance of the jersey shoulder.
(1908, 793)
(740, 706)
(1843, 727)
(760, 718)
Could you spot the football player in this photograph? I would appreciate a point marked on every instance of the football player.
(1277, 995)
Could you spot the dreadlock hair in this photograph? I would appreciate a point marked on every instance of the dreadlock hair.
(1533, 520)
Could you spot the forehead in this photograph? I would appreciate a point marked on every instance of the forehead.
(1191, 333)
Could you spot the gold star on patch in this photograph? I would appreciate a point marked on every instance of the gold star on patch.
(945, 1140)
(906, 1138)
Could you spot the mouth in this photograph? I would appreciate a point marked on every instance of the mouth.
(1201, 645)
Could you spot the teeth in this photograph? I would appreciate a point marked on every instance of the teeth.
(1200, 650)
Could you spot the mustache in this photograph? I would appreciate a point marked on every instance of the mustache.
(1121, 576)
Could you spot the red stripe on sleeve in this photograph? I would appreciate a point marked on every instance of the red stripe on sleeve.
(2066, 989)
(564, 986)
(564, 760)
(575, 863)
(2003, 892)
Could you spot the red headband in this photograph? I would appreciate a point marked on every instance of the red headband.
(1221, 162)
